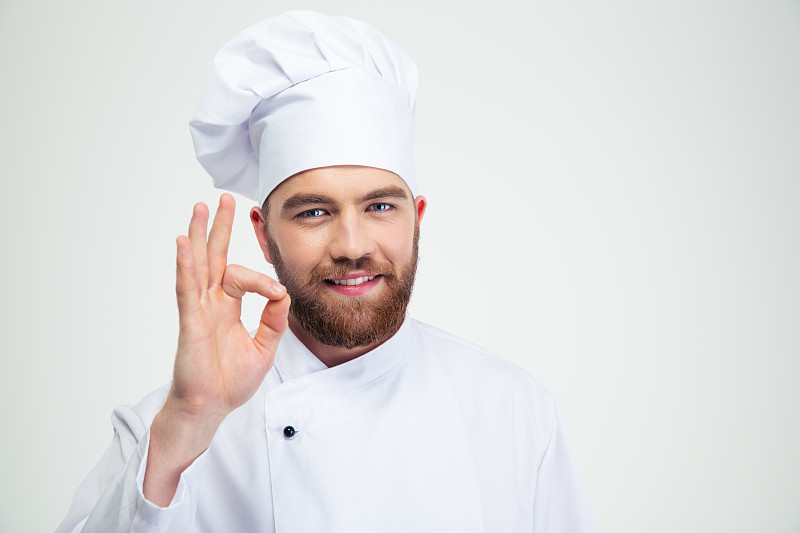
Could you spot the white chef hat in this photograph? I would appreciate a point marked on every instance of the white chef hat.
(304, 90)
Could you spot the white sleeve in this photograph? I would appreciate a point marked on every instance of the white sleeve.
(110, 499)
(560, 502)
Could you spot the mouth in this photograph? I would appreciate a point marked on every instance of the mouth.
(351, 281)
(356, 284)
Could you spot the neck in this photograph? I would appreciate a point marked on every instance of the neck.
(332, 355)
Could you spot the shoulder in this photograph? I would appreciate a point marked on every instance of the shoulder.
(492, 392)
(486, 372)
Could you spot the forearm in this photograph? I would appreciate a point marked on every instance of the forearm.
(176, 440)
(111, 499)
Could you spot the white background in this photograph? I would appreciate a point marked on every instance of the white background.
(613, 203)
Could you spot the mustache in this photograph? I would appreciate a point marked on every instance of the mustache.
(341, 267)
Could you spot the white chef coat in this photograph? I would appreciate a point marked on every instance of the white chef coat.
(425, 433)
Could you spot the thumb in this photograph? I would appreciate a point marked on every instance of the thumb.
(274, 320)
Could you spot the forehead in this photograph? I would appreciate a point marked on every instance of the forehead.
(344, 183)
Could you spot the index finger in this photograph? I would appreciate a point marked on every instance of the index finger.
(219, 238)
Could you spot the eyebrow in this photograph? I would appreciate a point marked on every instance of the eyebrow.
(391, 191)
(301, 199)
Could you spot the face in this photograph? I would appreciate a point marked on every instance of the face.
(343, 240)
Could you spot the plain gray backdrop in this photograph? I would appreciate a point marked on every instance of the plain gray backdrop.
(613, 203)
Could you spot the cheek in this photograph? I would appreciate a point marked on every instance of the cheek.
(301, 250)
(397, 245)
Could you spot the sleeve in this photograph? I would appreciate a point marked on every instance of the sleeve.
(111, 500)
(560, 502)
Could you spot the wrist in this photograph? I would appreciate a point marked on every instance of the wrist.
(184, 429)
(176, 441)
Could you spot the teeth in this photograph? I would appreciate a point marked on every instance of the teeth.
(353, 281)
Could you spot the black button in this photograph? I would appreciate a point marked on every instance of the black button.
(289, 432)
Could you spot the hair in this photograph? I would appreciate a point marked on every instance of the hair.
(265, 212)
(265, 208)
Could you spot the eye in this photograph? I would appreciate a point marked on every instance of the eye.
(311, 213)
(380, 206)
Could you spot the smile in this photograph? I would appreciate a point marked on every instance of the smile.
(352, 281)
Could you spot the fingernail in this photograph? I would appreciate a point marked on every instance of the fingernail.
(278, 287)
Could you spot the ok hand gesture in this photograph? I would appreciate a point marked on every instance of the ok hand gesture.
(218, 367)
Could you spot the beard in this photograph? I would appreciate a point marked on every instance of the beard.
(348, 322)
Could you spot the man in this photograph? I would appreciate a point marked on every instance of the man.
(339, 413)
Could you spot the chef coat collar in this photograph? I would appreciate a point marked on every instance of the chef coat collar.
(294, 360)
(306, 380)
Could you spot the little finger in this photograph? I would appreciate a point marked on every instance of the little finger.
(197, 234)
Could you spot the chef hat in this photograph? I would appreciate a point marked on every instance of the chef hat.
(303, 90)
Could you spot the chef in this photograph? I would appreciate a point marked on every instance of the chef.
(340, 413)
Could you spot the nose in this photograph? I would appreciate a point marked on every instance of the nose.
(351, 237)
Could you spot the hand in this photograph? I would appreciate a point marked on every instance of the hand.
(218, 367)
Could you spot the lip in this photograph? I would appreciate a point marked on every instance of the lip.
(355, 290)
(356, 274)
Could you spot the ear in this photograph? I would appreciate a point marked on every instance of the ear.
(260, 227)
(420, 203)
